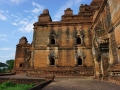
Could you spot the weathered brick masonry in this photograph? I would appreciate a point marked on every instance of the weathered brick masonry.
(87, 43)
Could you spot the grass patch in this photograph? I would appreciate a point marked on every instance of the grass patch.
(13, 86)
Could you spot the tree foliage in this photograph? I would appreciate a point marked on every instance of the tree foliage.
(3, 67)
(3, 64)
(9, 85)
(10, 64)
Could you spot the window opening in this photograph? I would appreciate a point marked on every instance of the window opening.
(52, 61)
(52, 41)
(79, 61)
(21, 65)
(78, 40)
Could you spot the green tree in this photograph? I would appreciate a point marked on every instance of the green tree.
(10, 64)
(3, 67)
(3, 64)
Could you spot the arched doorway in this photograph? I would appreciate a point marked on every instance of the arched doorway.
(79, 61)
(52, 61)
(20, 65)
(52, 40)
(78, 40)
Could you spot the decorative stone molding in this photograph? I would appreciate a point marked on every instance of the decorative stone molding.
(52, 54)
(67, 33)
(80, 34)
(80, 54)
(52, 33)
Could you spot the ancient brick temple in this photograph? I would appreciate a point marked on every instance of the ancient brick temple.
(87, 43)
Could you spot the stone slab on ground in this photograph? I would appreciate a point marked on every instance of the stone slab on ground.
(83, 83)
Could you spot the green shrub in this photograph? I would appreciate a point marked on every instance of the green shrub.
(7, 84)
(12, 86)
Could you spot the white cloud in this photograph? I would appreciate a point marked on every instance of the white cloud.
(17, 1)
(55, 20)
(26, 11)
(27, 28)
(7, 11)
(3, 17)
(78, 1)
(17, 19)
(23, 22)
(5, 48)
(1, 11)
(12, 1)
(61, 10)
(68, 4)
(2, 56)
(14, 16)
(29, 17)
(3, 39)
(14, 23)
(37, 8)
(7, 55)
(3, 35)
(24, 25)
(28, 25)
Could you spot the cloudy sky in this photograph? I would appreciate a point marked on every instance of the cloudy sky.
(17, 18)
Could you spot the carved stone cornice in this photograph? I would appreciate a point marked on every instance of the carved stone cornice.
(52, 54)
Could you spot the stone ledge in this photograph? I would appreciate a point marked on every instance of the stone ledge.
(115, 80)
(5, 74)
(22, 80)
(50, 77)
(39, 87)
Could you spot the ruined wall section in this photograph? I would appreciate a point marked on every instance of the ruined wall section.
(115, 26)
(22, 57)
(114, 9)
(106, 33)
(100, 40)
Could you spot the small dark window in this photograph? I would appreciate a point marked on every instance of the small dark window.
(52, 41)
(21, 65)
(52, 61)
(78, 40)
(79, 61)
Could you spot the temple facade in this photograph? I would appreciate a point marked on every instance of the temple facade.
(85, 44)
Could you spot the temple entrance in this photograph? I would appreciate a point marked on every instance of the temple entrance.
(52, 61)
(78, 40)
(52, 41)
(21, 65)
(79, 61)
